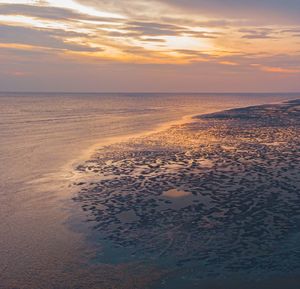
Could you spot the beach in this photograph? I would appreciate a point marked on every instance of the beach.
(215, 200)
(147, 190)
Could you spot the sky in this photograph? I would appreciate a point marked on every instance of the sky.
(150, 45)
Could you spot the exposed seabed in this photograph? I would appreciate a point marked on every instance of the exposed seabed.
(210, 204)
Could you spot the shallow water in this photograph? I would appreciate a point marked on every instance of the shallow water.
(39, 135)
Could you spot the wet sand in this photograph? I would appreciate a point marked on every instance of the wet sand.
(214, 199)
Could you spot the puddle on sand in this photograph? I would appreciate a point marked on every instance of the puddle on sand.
(174, 193)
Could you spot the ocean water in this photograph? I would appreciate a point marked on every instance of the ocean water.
(41, 136)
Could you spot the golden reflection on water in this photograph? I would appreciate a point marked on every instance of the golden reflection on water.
(174, 193)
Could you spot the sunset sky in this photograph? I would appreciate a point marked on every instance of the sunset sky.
(150, 45)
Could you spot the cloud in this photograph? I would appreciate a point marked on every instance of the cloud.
(203, 34)
(258, 33)
(49, 38)
(51, 13)
(230, 63)
(153, 40)
(270, 11)
(273, 69)
(295, 32)
(38, 11)
(153, 28)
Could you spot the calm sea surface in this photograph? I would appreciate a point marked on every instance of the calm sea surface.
(40, 134)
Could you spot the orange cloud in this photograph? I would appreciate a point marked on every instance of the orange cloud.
(273, 69)
(230, 63)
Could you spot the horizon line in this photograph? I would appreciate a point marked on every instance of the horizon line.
(152, 92)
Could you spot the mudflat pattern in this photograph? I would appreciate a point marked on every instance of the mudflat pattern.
(237, 206)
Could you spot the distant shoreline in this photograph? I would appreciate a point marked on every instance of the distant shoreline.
(164, 126)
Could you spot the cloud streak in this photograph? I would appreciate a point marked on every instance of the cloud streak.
(48, 38)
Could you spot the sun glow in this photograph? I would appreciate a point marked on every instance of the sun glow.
(70, 4)
(28, 2)
(185, 42)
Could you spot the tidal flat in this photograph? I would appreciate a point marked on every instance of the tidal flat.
(214, 203)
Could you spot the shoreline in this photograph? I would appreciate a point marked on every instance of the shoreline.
(223, 196)
(70, 168)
